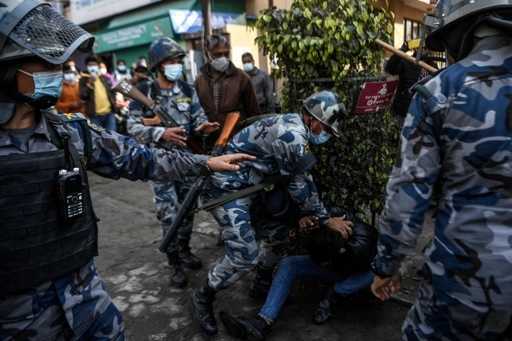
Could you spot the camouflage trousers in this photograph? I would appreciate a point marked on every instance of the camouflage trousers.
(167, 199)
(436, 316)
(73, 307)
(249, 238)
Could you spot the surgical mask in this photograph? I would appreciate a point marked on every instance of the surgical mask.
(173, 72)
(69, 77)
(248, 67)
(121, 68)
(220, 64)
(93, 69)
(321, 138)
(46, 84)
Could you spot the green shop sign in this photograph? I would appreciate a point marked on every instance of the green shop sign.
(135, 35)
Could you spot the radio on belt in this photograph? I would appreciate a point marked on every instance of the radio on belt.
(71, 194)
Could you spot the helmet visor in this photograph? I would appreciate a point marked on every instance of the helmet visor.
(48, 35)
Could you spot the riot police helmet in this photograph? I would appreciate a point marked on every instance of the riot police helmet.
(455, 21)
(326, 107)
(162, 49)
(31, 28)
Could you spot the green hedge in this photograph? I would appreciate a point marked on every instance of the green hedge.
(320, 44)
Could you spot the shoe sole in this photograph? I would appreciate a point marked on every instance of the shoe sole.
(233, 327)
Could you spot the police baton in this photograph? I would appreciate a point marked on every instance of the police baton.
(405, 56)
(230, 124)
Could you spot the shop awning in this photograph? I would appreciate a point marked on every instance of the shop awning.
(187, 21)
(139, 34)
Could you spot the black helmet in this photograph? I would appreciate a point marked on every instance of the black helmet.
(455, 21)
(32, 28)
(29, 28)
(163, 49)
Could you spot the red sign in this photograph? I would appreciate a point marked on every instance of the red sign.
(376, 96)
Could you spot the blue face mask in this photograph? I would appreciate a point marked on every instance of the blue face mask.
(173, 72)
(46, 84)
(321, 138)
(248, 67)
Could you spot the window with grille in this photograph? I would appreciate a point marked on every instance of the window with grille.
(412, 29)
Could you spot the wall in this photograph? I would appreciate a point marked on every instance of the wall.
(242, 40)
(81, 11)
(402, 12)
(253, 7)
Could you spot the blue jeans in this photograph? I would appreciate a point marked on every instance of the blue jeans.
(107, 121)
(303, 267)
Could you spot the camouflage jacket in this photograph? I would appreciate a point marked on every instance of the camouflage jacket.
(112, 155)
(278, 142)
(181, 103)
(458, 137)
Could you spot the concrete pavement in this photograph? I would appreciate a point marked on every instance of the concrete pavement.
(137, 278)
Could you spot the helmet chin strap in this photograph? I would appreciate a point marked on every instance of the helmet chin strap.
(43, 102)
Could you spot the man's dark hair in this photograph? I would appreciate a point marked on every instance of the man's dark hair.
(217, 40)
(248, 55)
(121, 61)
(93, 59)
(66, 68)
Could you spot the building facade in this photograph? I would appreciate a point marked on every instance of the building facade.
(125, 29)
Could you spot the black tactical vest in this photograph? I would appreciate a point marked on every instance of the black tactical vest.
(36, 245)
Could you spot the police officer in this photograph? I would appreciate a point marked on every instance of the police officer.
(280, 142)
(180, 101)
(457, 135)
(49, 286)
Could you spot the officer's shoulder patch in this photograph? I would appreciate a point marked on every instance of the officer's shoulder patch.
(81, 120)
(72, 117)
(183, 100)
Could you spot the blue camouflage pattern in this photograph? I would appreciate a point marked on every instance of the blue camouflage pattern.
(74, 307)
(459, 137)
(184, 109)
(326, 107)
(77, 306)
(278, 142)
(188, 113)
(168, 197)
(435, 316)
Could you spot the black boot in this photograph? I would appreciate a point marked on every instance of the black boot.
(324, 311)
(243, 328)
(202, 309)
(178, 277)
(261, 283)
(187, 258)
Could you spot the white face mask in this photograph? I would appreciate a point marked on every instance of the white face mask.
(248, 67)
(93, 69)
(220, 64)
(173, 72)
(69, 77)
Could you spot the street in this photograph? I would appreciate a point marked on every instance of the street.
(136, 275)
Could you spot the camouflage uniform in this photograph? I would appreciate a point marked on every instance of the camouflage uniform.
(457, 134)
(76, 306)
(184, 108)
(278, 143)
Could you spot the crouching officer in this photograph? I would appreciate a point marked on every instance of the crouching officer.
(49, 286)
(180, 101)
(281, 143)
